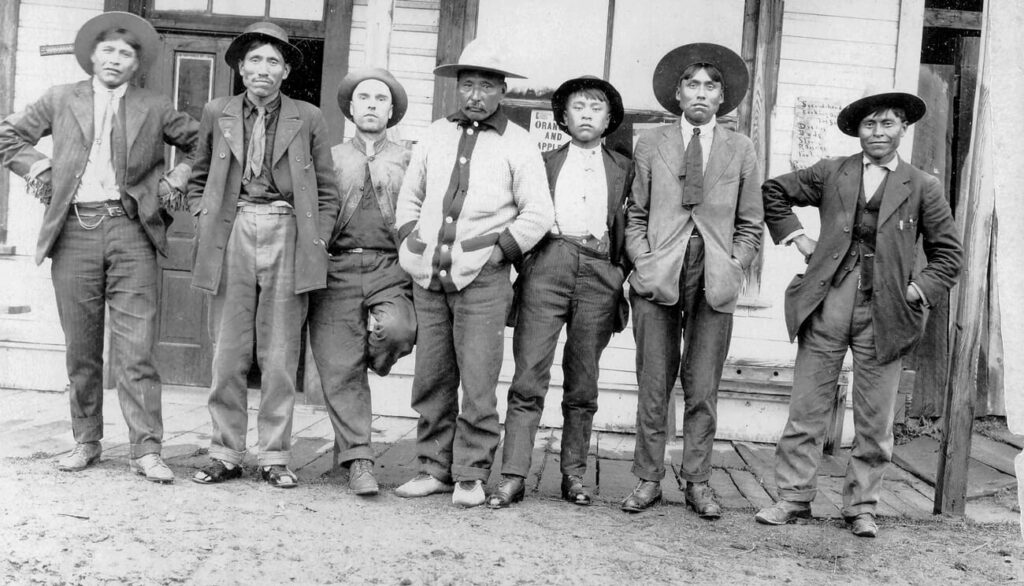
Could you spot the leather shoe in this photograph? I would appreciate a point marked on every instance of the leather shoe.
(469, 493)
(863, 525)
(510, 490)
(701, 498)
(646, 494)
(360, 478)
(84, 455)
(574, 491)
(152, 467)
(783, 512)
(422, 485)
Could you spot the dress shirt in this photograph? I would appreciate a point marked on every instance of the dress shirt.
(707, 135)
(99, 182)
(581, 194)
(874, 174)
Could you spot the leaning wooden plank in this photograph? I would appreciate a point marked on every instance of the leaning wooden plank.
(728, 494)
(995, 454)
(751, 489)
(830, 493)
(917, 506)
(760, 461)
(919, 456)
(1006, 437)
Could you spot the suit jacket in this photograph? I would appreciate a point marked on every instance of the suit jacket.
(307, 172)
(729, 218)
(66, 113)
(619, 174)
(913, 206)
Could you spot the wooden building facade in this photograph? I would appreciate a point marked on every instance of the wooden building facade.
(807, 59)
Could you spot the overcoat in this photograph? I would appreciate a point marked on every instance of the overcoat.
(913, 207)
(729, 218)
(66, 113)
(301, 165)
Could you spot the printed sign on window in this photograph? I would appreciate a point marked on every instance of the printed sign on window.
(545, 131)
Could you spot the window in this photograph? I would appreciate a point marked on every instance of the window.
(291, 9)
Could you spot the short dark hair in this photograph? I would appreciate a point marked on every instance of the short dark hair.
(713, 72)
(896, 110)
(588, 92)
(120, 34)
(259, 42)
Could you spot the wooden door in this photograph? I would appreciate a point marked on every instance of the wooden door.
(191, 71)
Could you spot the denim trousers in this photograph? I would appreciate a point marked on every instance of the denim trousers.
(843, 321)
(560, 286)
(256, 300)
(110, 266)
(704, 335)
(359, 285)
(460, 339)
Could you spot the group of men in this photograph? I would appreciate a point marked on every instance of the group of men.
(377, 248)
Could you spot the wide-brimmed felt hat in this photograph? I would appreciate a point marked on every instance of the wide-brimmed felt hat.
(399, 99)
(85, 40)
(479, 55)
(585, 82)
(850, 117)
(263, 31)
(734, 74)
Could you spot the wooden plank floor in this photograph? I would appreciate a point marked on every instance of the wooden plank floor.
(36, 425)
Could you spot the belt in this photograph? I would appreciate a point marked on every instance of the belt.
(595, 247)
(361, 251)
(282, 208)
(110, 208)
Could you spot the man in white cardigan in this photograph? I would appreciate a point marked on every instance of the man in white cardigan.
(474, 200)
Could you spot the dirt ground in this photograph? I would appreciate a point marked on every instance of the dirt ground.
(105, 526)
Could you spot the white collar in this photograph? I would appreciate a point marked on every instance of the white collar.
(891, 165)
(705, 130)
(100, 90)
(582, 151)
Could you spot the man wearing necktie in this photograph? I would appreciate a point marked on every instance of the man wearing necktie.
(693, 227)
(573, 278)
(265, 197)
(861, 291)
(104, 187)
(474, 200)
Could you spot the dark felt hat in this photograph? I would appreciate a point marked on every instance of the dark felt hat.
(584, 82)
(85, 40)
(850, 117)
(671, 67)
(478, 55)
(267, 31)
(399, 99)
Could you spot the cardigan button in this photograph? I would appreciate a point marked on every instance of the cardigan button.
(222, 155)
(309, 214)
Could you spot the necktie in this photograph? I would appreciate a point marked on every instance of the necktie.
(254, 157)
(693, 184)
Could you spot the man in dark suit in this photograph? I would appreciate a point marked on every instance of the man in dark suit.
(573, 277)
(265, 196)
(103, 188)
(693, 227)
(860, 291)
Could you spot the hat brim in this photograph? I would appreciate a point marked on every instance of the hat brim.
(850, 117)
(671, 67)
(582, 83)
(399, 98)
(292, 55)
(85, 40)
(453, 70)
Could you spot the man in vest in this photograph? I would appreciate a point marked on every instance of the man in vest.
(365, 317)
(104, 187)
(860, 291)
(265, 197)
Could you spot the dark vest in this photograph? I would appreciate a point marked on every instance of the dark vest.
(862, 245)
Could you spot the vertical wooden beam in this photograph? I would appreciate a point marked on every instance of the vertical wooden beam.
(338, 26)
(609, 34)
(8, 49)
(457, 27)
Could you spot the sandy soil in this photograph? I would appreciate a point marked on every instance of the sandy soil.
(104, 526)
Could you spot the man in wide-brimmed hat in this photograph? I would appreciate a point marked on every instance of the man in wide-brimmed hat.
(365, 317)
(860, 291)
(693, 228)
(474, 200)
(572, 279)
(104, 225)
(265, 198)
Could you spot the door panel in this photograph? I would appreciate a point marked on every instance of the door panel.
(191, 70)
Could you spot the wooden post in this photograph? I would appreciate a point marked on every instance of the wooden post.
(457, 27)
(8, 47)
(338, 27)
(971, 305)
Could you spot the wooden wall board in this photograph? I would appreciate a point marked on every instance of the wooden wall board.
(751, 489)
(998, 455)
(728, 493)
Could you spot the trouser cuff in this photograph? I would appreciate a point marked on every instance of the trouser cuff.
(460, 473)
(87, 429)
(140, 450)
(274, 458)
(649, 475)
(357, 453)
(799, 496)
(436, 470)
(226, 455)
